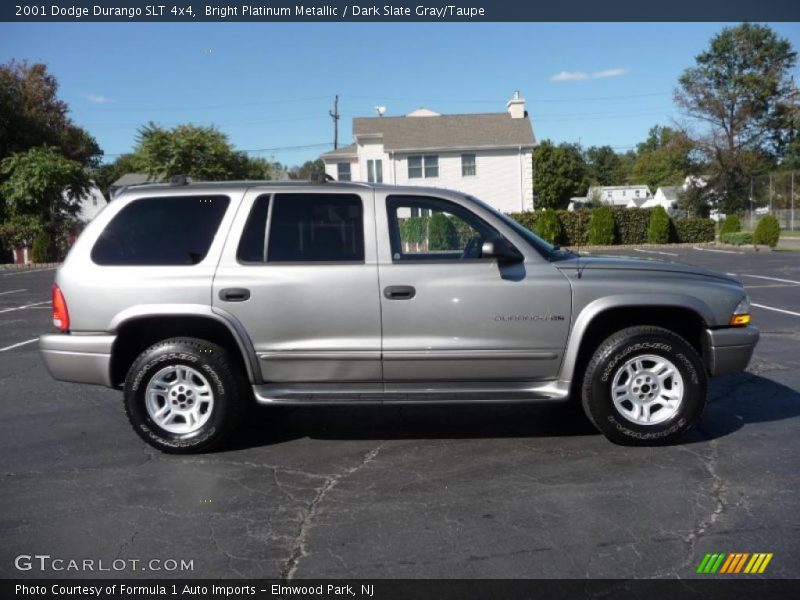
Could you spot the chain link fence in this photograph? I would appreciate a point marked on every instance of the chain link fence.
(775, 194)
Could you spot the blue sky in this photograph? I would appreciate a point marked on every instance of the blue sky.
(270, 86)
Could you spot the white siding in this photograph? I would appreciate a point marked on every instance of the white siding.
(502, 177)
(332, 169)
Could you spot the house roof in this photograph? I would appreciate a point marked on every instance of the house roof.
(349, 151)
(441, 132)
(670, 192)
(608, 188)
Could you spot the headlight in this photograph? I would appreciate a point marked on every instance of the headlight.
(741, 314)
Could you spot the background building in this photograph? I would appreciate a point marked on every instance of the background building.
(488, 155)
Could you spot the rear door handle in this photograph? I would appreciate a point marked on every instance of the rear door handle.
(399, 292)
(234, 294)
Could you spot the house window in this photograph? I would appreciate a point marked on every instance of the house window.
(623, 193)
(468, 165)
(423, 166)
(637, 193)
(608, 195)
(375, 171)
(343, 171)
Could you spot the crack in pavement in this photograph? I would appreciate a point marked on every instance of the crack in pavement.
(298, 549)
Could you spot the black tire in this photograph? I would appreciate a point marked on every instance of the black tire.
(610, 359)
(229, 392)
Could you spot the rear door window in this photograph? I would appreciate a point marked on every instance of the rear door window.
(316, 228)
(164, 231)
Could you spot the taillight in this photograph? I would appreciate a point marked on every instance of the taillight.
(60, 312)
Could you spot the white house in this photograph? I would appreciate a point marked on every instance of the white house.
(488, 155)
(630, 196)
(92, 202)
(665, 196)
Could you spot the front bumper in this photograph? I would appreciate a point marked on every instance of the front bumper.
(78, 358)
(728, 350)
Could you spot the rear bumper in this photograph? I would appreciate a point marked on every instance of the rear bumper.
(728, 350)
(78, 358)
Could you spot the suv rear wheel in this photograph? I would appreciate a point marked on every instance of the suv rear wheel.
(644, 386)
(184, 395)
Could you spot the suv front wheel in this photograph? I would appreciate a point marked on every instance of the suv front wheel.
(644, 386)
(184, 395)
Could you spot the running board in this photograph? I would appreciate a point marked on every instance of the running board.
(460, 392)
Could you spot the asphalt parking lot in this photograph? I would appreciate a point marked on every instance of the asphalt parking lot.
(473, 492)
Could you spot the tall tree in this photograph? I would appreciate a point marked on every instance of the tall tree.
(31, 114)
(559, 172)
(737, 89)
(203, 153)
(664, 158)
(307, 169)
(42, 190)
(603, 165)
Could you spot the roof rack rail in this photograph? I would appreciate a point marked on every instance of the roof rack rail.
(179, 180)
(320, 178)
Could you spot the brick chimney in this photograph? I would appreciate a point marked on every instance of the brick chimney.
(516, 106)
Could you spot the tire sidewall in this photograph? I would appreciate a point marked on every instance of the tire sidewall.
(606, 415)
(142, 372)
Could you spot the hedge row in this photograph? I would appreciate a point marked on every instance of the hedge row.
(615, 225)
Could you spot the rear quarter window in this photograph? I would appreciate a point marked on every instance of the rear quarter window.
(171, 230)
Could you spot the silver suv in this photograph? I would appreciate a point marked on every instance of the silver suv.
(197, 299)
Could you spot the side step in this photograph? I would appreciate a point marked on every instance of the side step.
(458, 392)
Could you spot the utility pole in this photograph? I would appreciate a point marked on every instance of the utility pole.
(335, 116)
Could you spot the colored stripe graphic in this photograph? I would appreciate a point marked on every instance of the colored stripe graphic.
(703, 563)
(764, 564)
(718, 563)
(740, 564)
(734, 563)
(727, 565)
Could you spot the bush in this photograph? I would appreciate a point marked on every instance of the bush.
(442, 234)
(631, 224)
(42, 250)
(548, 227)
(694, 230)
(527, 219)
(413, 230)
(768, 231)
(601, 227)
(574, 226)
(737, 238)
(464, 231)
(659, 229)
(731, 224)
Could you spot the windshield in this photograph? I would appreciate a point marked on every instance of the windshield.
(544, 248)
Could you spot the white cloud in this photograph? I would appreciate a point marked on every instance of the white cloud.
(583, 75)
(609, 73)
(570, 76)
(97, 99)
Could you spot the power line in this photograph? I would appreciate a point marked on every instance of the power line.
(497, 101)
(106, 108)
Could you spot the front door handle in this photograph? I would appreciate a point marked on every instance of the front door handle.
(234, 294)
(399, 292)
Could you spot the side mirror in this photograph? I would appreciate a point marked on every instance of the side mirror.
(502, 250)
